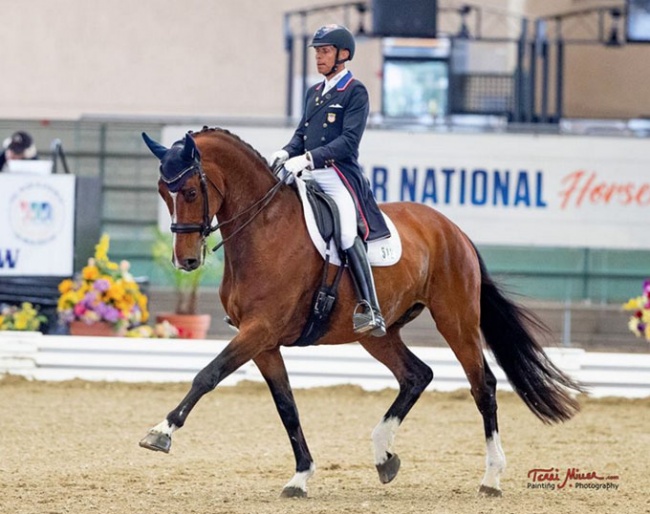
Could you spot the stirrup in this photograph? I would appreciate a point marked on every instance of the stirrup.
(366, 319)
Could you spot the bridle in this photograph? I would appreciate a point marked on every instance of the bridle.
(205, 228)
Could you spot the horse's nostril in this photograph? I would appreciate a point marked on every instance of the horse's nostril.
(190, 264)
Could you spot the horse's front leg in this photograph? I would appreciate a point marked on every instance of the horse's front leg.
(413, 376)
(239, 351)
(272, 368)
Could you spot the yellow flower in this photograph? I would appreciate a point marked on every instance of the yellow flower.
(20, 320)
(101, 250)
(633, 304)
(141, 331)
(65, 286)
(90, 273)
(115, 291)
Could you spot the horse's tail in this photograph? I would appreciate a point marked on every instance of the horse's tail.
(545, 389)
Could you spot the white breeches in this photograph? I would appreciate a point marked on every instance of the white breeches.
(330, 181)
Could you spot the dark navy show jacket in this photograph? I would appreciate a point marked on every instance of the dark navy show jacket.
(331, 129)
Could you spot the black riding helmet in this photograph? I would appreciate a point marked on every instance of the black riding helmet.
(337, 36)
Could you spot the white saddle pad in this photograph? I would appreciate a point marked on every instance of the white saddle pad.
(384, 252)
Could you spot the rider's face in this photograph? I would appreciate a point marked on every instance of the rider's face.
(325, 58)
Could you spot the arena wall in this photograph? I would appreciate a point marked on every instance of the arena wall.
(71, 58)
(113, 359)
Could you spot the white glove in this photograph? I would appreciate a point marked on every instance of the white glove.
(278, 158)
(296, 164)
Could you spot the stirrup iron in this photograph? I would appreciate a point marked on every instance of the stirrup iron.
(365, 319)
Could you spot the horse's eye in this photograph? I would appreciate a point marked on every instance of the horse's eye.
(191, 195)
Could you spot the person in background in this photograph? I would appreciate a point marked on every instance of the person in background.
(327, 143)
(19, 146)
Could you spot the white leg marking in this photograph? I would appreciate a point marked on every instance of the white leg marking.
(383, 436)
(495, 462)
(299, 480)
(164, 428)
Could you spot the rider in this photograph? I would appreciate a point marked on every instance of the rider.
(17, 147)
(327, 142)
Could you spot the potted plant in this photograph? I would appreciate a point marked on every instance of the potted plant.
(639, 322)
(26, 317)
(186, 318)
(103, 299)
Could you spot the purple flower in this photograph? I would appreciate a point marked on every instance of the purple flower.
(89, 298)
(101, 285)
(109, 313)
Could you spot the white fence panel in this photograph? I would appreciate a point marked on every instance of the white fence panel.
(135, 360)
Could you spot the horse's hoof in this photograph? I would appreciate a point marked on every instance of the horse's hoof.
(293, 492)
(157, 441)
(490, 492)
(388, 470)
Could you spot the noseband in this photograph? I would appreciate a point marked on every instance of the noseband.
(205, 228)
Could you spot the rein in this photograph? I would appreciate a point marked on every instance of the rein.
(206, 228)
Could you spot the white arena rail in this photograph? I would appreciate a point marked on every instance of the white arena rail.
(39, 357)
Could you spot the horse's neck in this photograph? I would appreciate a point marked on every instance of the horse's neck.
(246, 183)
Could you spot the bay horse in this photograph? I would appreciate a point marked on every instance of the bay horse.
(271, 271)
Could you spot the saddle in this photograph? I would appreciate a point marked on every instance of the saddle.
(326, 212)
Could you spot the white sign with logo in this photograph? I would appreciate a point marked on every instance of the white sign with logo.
(36, 225)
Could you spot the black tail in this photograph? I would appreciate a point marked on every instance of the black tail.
(507, 330)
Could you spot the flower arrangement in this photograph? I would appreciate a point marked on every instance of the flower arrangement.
(103, 291)
(25, 317)
(162, 330)
(639, 322)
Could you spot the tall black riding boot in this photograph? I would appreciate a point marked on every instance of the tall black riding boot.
(367, 315)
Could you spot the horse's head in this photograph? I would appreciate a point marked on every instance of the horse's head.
(184, 188)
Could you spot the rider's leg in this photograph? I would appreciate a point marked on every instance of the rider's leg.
(367, 316)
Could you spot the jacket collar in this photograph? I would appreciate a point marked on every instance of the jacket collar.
(342, 83)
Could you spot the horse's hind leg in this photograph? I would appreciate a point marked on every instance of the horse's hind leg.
(413, 376)
(272, 368)
(495, 461)
(464, 339)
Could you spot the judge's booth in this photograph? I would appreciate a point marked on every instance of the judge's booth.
(49, 225)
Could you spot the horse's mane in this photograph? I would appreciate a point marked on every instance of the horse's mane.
(219, 130)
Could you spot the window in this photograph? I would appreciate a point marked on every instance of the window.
(415, 87)
(638, 21)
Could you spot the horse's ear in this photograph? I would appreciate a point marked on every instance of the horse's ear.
(156, 148)
(189, 152)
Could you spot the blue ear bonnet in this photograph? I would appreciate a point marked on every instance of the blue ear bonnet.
(177, 163)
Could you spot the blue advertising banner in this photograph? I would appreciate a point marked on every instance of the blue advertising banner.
(505, 189)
